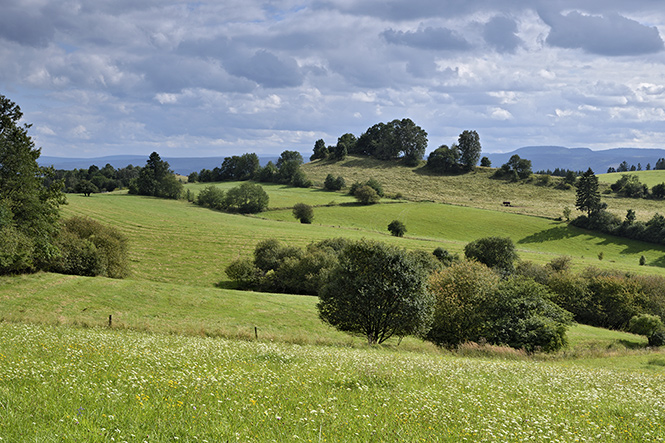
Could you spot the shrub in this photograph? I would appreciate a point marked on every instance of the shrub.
(460, 292)
(645, 324)
(366, 195)
(244, 273)
(16, 253)
(397, 228)
(303, 212)
(496, 252)
(522, 316)
(643, 260)
(211, 197)
(300, 180)
(333, 184)
(445, 257)
(374, 184)
(91, 248)
(657, 339)
(247, 198)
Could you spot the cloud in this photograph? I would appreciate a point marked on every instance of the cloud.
(611, 34)
(268, 70)
(23, 27)
(442, 39)
(500, 33)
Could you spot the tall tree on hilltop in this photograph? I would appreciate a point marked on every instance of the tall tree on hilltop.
(469, 147)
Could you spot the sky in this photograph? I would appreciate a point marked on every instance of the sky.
(220, 78)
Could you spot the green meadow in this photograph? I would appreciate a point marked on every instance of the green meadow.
(188, 358)
(650, 178)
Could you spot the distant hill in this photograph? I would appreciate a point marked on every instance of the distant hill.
(180, 165)
(580, 159)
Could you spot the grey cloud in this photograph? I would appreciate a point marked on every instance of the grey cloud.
(500, 33)
(268, 70)
(26, 28)
(428, 38)
(612, 35)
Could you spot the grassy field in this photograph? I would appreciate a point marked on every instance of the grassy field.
(187, 361)
(98, 385)
(650, 178)
(476, 189)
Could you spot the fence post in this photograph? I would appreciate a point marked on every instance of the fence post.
(110, 321)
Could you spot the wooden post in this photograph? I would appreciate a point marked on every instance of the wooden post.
(256, 333)
(110, 321)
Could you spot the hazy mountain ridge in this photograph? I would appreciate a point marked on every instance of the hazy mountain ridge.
(580, 159)
(180, 165)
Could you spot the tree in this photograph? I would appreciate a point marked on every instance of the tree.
(444, 159)
(411, 140)
(497, 253)
(397, 228)
(588, 195)
(387, 141)
(247, 198)
(303, 212)
(486, 162)
(86, 187)
(30, 197)
(376, 291)
(333, 184)
(156, 179)
(469, 147)
(320, 150)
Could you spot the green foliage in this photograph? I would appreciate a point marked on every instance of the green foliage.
(303, 212)
(376, 185)
(300, 180)
(247, 198)
(238, 168)
(320, 150)
(268, 173)
(30, 196)
(460, 291)
(445, 257)
(522, 316)
(366, 195)
(90, 248)
(156, 179)
(486, 162)
(588, 195)
(397, 228)
(444, 159)
(333, 184)
(387, 141)
(212, 197)
(86, 187)
(497, 253)
(469, 147)
(629, 186)
(519, 168)
(244, 273)
(376, 291)
(645, 324)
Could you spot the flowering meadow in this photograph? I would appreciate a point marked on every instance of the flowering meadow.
(94, 385)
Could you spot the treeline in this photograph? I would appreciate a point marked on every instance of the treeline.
(246, 167)
(94, 179)
(623, 166)
(629, 185)
(488, 296)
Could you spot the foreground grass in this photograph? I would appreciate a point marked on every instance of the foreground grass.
(93, 385)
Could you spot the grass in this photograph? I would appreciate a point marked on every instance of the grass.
(650, 178)
(109, 385)
(476, 189)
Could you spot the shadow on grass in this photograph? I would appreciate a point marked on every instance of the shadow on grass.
(552, 234)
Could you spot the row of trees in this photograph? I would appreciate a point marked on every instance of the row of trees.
(246, 167)
(630, 186)
(247, 198)
(623, 166)
(156, 179)
(32, 235)
(94, 179)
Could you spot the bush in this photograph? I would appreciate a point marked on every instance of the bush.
(496, 252)
(397, 228)
(445, 257)
(247, 198)
(90, 248)
(333, 184)
(645, 324)
(522, 316)
(460, 292)
(211, 197)
(366, 195)
(244, 273)
(657, 339)
(303, 212)
(16, 253)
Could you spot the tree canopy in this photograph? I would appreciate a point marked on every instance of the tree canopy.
(387, 141)
(469, 148)
(377, 291)
(156, 179)
(588, 195)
